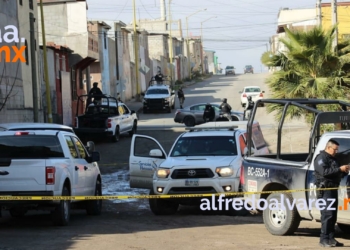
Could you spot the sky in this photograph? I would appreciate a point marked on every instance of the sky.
(237, 30)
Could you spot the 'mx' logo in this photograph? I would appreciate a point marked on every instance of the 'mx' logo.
(10, 37)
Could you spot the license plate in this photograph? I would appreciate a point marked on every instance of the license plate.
(192, 182)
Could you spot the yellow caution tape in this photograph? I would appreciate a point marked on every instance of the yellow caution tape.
(166, 196)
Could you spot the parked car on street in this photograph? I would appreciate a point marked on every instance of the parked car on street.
(48, 163)
(109, 118)
(248, 69)
(230, 70)
(193, 115)
(205, 159)
(254, 91)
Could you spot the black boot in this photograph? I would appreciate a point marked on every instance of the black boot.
(325, 243)
(335, 243)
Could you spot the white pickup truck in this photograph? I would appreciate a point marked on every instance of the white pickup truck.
(48, 162)
(206, 159)
(107, 118)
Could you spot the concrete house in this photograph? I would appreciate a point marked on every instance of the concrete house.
(66, 25)
(59, 79)
(20, 99)
(99, 69)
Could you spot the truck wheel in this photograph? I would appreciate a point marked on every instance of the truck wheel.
(280, 220)
(134, 129)
(61, 215)
(94, 207)
(344, 227)
(18, 212)
(116, 136)
(189, 121)
(162, 206)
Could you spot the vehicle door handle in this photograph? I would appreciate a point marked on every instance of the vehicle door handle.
(4, 173)
(85, 167)
(76, 168)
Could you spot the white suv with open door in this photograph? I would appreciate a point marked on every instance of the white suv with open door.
(206, 159)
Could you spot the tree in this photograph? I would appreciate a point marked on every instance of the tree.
(309, 69)
(7, 86)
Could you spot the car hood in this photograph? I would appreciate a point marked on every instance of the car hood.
(199, 161)
(156, 96)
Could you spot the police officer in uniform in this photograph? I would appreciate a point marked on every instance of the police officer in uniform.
(225, 109)
(328, 175)
(248, 108)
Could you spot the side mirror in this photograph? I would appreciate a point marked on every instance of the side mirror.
(155, 153)
(95, 157)
(143, 94)
(132, 112)
(90, 146)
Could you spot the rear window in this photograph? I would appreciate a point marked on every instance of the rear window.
(30, 147)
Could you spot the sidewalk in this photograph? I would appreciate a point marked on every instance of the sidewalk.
(133, 104)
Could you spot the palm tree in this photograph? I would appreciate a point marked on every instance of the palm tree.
(309, 68)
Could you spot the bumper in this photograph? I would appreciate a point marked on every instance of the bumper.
(92, 131)
(205, 186)
(164, 106)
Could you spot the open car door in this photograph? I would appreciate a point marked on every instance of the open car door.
(146, 154)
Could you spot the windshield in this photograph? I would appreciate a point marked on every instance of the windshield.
(229, 67)
(205, 145)
(30, 147)
(157, 92)
(249, 90)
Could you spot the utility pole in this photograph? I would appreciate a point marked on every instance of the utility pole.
(319, 13)
(334, 22)
(33, 67)
(136, 51)
(46, 71)
(171, 46)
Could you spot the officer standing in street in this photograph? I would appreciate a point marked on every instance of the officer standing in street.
(225, 109)
(328, 175)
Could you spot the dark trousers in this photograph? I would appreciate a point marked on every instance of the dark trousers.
(329, 217)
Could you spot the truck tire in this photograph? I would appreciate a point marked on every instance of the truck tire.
(94, 207)
(116, 136)
(281, 221)
(134, 129)
(344, 228)
(161, 206)
(61, 215)
(189, 121)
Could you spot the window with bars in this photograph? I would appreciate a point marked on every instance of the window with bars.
(31, 4)
(20, 2)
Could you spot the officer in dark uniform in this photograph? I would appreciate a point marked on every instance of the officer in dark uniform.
(209, 113)
(328, 175)
(225, 109)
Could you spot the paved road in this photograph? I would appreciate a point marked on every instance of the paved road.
(129, 224)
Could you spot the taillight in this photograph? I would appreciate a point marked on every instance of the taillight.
(50, 175)
(22, 133)
(261, 95)
(241, 178)
(244, 95)
(109, 125)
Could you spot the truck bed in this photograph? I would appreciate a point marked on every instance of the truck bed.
(297, 157)
(93, 121)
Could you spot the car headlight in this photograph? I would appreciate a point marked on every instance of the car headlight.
(224, 171)
(163, 173)
(166, 100)
(145, 100)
